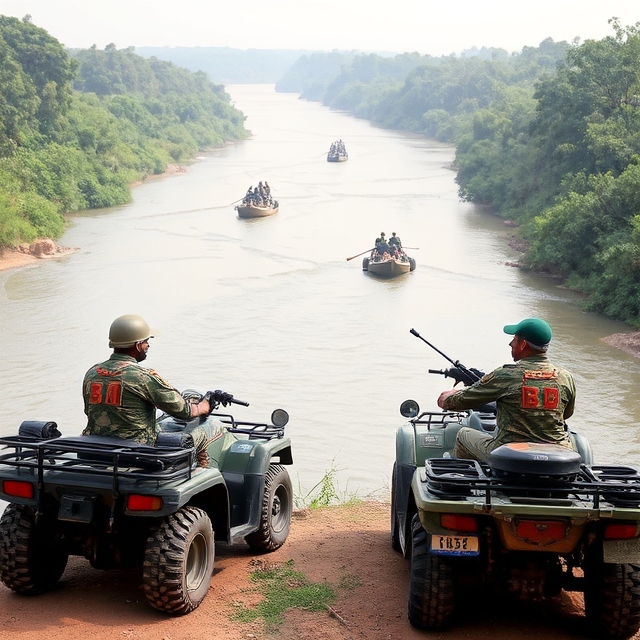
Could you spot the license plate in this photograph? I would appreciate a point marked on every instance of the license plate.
(622, 551)
(455, 545)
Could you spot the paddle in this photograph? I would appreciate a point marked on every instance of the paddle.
(412, 248)
(360, 254)
(238, 200)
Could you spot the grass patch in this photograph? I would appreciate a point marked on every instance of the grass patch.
(284, 588)
(326, 492)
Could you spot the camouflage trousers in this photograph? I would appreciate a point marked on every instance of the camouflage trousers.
(203, 435)
(472, 444)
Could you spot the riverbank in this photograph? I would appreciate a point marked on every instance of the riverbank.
(346, 547)
(30, 253)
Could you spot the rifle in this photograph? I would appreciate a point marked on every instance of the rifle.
(459, 372)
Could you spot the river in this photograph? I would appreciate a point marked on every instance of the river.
(271, 311)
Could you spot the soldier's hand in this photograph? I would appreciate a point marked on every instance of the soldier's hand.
(479, 373)
(221, 397)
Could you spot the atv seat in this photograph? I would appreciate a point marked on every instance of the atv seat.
(535, 462)
(103, 450)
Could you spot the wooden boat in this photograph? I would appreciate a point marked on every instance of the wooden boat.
(389, 268)
(337, 157)
(255, 211)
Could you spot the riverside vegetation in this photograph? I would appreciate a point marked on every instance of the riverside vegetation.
(78, 127)
(549, 138)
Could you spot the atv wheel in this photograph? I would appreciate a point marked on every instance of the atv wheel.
(275, 518)
(612, 599)
(431, 583)
(395, 530)
(178, 561)
(31, 559)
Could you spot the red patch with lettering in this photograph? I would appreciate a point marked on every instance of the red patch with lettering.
(550, 398)
(95, 393)
(114, 394)
(530, 397)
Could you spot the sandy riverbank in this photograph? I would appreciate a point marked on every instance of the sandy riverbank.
(28, 254)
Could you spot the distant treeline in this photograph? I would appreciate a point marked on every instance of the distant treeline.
(227, 65)
(548, 137)
(77, 128)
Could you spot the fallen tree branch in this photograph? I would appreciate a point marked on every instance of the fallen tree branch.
(337, 616)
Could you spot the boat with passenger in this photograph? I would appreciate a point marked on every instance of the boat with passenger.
(257, 202)
(337, 152)
(388, 259)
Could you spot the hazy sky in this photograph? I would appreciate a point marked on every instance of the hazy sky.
(436, 28)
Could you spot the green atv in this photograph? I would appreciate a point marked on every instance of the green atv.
(121, 504)
(533, 521)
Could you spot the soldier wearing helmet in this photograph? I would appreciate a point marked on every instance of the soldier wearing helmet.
(121, 397)
(533, 396)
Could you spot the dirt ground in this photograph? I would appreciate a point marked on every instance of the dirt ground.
(343, 545)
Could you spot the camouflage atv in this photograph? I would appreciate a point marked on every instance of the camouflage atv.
(121, 504)
(535, 520)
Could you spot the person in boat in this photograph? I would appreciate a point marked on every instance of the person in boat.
(533, 397)
(382, 246)
(121, 397)
(394, 240)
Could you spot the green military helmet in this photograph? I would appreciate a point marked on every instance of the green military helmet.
(126, 330)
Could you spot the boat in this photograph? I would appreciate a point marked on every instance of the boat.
(337, 157)
(337, 152)
(389, 267)
(256, 211)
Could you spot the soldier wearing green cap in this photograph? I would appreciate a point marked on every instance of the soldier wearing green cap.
(534, 397)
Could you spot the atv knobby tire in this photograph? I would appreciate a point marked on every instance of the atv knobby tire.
(431, 583)
(275, 516)
(32, 560)
(178, 561)
(612, 598)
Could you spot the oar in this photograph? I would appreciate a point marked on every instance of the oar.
(360, 254)
(238, 200)
(412, 248)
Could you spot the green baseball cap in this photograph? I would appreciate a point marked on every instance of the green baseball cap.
(533, 330)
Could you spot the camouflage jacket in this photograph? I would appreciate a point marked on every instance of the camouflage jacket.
(121, 397)
(533, 397)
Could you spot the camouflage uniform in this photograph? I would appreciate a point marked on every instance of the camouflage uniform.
(534, 398)
(120, 401)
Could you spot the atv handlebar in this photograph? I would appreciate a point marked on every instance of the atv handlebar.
(219, 397)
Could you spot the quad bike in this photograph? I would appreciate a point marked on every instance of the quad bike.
(122, 504)
(536, 519)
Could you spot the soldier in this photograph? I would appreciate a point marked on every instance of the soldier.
(394, 240)
(534, 397)
(121, 397)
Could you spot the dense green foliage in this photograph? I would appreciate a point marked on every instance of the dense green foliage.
(77, 129)
(548, 137)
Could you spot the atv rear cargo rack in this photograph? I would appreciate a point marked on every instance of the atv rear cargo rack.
(95, 455)
(459, 479)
